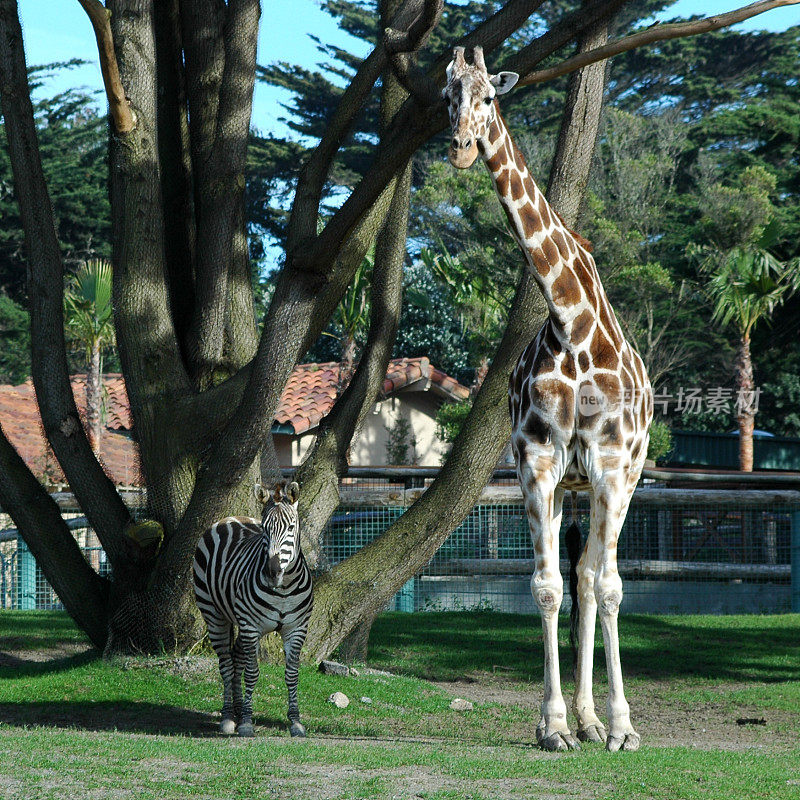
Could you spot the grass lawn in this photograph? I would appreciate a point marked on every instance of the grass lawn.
(73, 725)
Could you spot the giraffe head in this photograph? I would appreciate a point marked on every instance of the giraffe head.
(469, 94)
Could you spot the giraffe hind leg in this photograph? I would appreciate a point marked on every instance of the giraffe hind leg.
(590, 729)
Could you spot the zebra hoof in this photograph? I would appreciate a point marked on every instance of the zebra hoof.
(246, 729)
(296, 729)
(227, 727)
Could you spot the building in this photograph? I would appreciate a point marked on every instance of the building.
(412, 391)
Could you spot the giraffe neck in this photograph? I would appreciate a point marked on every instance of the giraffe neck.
(563, 268)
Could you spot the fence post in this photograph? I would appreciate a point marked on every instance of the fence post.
(795, 517)
(405, 597)
(26, 577)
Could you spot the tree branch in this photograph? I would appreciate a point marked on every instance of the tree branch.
(320, 472)
(415, 124)
(655, 33)
(305, 209)
(219, 192)
(94, 490)
(121, 113)
(38, 518)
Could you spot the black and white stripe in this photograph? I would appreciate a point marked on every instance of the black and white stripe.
(253, 576)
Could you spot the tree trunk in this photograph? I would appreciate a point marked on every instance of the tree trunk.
(745, 404)
(347, 363)
(480, 376)
(94, 399)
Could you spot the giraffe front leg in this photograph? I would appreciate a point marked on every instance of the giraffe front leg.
(292, 645)
(608, 595)
(547, 587)
(590, 729)
(248, 641)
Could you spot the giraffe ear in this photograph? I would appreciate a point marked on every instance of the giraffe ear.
(504, 81)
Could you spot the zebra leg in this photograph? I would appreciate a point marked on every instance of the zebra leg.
(248, 641)
(220, 632)
(239, 660)
(292, 644)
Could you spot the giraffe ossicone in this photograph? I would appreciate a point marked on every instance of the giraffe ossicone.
(581, 406)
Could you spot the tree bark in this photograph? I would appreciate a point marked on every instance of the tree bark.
(745, 402)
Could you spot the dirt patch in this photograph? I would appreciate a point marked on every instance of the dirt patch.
(662, 719)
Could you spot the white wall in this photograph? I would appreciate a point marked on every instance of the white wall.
(369, 446)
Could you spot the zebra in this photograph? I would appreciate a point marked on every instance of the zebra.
(253, 575)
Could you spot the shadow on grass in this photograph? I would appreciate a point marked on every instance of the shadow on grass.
(131, 717)
(444, 646)
(13, 666)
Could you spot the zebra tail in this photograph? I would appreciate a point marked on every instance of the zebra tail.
(573, 542)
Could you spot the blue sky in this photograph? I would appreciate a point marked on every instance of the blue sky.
(57, 30)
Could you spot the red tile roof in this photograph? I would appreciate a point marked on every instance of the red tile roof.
(311, 391)
(307, 398)
(19, 417)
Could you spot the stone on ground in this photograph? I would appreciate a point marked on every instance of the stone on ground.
(339, 699)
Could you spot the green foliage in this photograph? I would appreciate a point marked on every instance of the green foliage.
(737, 216)
(402, 443)
(15, 341)
(87, 307)
(746, 284)
(660, 444)
(72, 141)
(449, 419)
(430, 326)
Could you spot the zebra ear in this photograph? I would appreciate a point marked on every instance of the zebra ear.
(293, 492)
(261, 494)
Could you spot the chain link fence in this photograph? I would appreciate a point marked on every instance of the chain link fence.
(712, 551)
(681, 551)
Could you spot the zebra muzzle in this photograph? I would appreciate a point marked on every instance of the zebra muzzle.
(274, 570)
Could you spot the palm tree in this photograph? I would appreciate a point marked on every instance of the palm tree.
(746, 284)
(352, 314)
(89, 324)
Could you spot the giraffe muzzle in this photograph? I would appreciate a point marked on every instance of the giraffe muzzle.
(462, 152)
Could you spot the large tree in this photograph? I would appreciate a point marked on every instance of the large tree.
(203, 383)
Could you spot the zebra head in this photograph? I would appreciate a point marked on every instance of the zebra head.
(281, 526)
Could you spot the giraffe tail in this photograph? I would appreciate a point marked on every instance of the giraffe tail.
(573, 540)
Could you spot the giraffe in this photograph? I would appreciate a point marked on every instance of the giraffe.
(581, 406)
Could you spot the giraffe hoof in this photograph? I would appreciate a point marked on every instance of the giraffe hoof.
(246, 729)
(559, 742)
(297, 730)
(627, 742)
(592, 733)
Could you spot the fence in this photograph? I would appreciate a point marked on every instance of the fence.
(682, 550)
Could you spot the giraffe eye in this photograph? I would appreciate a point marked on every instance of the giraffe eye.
(488, 100)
